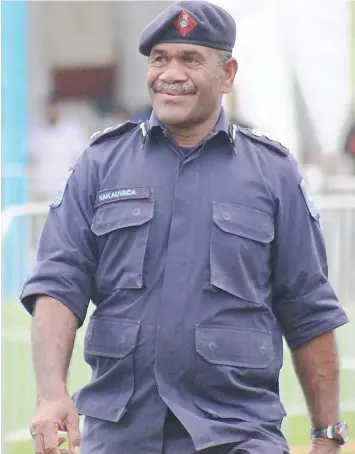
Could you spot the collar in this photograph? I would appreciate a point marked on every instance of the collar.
(222, 124)
(223, 127)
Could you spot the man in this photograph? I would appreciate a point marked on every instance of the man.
(200, 248)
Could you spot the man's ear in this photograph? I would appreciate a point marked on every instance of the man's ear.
(229, 70)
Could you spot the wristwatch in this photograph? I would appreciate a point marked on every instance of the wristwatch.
(338, 433)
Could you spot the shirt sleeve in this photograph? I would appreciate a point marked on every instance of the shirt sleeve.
(304, 302)
(66, 259)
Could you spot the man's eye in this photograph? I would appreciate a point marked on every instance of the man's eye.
(191, 61)
(159, 59)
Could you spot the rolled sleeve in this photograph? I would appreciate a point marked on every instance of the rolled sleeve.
(66, 260)
(67, 284)
(305, 303)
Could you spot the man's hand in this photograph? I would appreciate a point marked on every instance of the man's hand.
(55, 415)
(324, 446)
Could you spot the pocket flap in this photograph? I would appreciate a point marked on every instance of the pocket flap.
(234, 346)
(110, 337)
(242, 221)
(122, 214)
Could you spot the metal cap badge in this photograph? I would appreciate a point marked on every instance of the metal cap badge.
(185, 23)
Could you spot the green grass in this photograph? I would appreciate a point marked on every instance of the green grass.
(19, 386)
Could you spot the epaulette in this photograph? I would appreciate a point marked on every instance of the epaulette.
(112, 132)
(257, 136)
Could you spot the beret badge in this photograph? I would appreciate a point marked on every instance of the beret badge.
(185, 23)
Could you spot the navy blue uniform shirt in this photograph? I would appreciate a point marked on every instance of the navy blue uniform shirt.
(198, 263)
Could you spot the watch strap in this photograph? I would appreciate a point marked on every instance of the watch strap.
(323, 432)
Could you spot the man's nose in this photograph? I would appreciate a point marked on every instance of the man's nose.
(173, 73)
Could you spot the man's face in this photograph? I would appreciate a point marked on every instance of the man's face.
(186, 82)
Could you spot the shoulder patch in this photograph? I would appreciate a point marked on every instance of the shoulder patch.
(309, 202)
(112, 132)
(257, 136)
(60, 193)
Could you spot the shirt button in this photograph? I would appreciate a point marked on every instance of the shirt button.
(226, 216)
(212, 345)
(136, 212)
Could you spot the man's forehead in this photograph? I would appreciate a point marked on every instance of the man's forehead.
(182, 48)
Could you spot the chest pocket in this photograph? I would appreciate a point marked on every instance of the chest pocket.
(240, 250)
(122, 229)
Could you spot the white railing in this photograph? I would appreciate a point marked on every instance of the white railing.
(338, 222)
(16, 211)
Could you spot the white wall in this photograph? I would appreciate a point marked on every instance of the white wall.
(320, 45)
(280, 39)
(262, 81)
(76, 33)
(38, 63)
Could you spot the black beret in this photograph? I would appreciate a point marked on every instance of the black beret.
(192, 22)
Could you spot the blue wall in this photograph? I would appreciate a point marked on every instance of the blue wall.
(14, 31)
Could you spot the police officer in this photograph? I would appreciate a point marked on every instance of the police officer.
(200, 248)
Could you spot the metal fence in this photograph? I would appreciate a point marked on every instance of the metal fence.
(20, 227)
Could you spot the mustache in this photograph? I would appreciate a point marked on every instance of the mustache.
(180, 89)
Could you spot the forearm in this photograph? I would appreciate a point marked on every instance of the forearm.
(317, 366)
(53, 333)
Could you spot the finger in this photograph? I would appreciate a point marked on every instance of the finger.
(73, 434)
(74, 449)
(64, 451)
(50, 439)
(39, 443)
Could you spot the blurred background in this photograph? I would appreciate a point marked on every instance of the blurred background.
(70, 68)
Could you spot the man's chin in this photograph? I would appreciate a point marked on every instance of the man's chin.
(172, 116)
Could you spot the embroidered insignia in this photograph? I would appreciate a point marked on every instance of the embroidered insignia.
(60, 193)
(309, 202)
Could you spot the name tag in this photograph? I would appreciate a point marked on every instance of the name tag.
(113, 195)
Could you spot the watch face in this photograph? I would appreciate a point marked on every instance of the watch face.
(341, 433)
